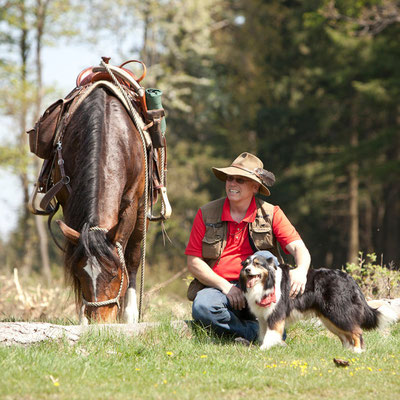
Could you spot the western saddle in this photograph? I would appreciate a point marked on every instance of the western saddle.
(45, 139)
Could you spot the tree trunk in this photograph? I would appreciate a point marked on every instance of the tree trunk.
(391, 224)
(27, 238)
(41, 8)
(353, 245)
(367, 235)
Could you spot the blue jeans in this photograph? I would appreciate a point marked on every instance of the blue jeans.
(212, 309)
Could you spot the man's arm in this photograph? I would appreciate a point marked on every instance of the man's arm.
(200, 270)
(298, 276)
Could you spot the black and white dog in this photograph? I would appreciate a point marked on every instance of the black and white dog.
(331, 295)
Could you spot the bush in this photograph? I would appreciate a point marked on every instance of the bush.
(375, 280)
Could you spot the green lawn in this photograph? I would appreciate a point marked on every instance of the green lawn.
(167, 364)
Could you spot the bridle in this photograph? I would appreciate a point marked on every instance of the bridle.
(124, 272)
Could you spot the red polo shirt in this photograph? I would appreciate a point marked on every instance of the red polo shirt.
(238, 246)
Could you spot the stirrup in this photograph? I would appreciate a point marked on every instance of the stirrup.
(167, 207)
(34, 202)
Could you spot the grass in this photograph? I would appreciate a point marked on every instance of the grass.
(167, 364)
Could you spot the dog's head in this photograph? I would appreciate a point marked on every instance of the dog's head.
(257, 269)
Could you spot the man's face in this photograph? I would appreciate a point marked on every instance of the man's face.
(239, 188)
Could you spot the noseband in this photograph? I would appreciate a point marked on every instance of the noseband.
(124, 271)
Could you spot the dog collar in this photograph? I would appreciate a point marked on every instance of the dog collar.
(267, 300)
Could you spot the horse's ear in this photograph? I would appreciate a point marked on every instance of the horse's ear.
(71, 234)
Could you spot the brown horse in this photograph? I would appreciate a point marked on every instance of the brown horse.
(104, 158)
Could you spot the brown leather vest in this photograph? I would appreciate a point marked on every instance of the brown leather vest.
(260, 231)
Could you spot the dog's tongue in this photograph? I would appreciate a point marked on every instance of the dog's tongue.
(252, 281)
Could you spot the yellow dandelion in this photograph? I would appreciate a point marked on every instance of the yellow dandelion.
(369, 369)
(164, 381)
(137, 369)
(170, 353)
(203, 356)
(351, 374)
(55, 381)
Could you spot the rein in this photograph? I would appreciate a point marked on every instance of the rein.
(124, 272)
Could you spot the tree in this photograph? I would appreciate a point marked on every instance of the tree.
(24, 29)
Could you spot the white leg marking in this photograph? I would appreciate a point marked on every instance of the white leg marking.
(271, 338)
(357, 349)
(263, 330)
(131, 314)
(82, 317)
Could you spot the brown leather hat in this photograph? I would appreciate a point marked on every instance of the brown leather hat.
(248, 166)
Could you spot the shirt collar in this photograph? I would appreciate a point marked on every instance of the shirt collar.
(250, 214)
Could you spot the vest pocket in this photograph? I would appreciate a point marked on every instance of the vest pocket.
(212, 241)
(262, 237)
(212, 247)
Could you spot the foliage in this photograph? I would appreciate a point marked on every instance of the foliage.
(375, 280)
(311, 87)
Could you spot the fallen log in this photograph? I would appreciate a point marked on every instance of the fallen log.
(394, 304)
(28, 333)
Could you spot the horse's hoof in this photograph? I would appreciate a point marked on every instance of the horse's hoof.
(130, 318)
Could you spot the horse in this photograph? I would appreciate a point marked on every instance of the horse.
(104, 210)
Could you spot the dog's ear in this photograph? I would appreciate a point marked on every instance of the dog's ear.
(243, 279)
(271, 263)
(246, 262)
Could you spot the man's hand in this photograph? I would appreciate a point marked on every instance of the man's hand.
(236, 298)
(298, 276)
(298, 280)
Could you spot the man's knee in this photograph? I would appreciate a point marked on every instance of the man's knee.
(206, 306)
(201, 312)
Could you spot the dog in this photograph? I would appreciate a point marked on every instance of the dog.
(331, 295)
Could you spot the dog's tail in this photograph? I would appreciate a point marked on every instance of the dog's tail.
(379, 318)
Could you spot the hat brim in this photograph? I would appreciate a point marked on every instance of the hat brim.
(221, 174)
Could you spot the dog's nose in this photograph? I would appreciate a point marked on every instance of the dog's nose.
(247, 269)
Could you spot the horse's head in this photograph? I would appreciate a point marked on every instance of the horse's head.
(98, 269)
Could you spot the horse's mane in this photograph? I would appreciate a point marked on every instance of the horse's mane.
(86, 131)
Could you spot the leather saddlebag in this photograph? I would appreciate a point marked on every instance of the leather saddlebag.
(42, 135)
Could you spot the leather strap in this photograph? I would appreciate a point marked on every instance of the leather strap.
(64, 181)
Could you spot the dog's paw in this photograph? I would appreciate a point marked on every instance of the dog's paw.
(358, 350)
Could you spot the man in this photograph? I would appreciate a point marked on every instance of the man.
(224, 233)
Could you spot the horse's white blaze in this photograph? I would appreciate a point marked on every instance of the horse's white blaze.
(131, 314)
(93, 269)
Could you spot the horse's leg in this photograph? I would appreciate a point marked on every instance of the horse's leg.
(130, 313)
(82, 317)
